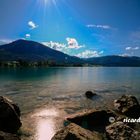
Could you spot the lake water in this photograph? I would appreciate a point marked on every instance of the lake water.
(47, 95)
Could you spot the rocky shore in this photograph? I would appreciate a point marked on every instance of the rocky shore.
(104, 124)
(120, 123)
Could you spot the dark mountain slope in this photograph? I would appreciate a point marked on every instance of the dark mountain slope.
(114, 61)
(33, 51)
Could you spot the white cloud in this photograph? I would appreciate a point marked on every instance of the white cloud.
(98, 26)
(55, 45)
(127, 54)
(132, 48)
(136, 48)
(73, 43)
(89, 53)
(124, 55)
(128, 48)
(32, 25)
(27, 36)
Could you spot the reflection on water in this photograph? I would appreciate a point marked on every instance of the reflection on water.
(45, 129)
(45, 124)
(46, 113)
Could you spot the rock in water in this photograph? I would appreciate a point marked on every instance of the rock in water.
(75, 132)
(9, 116)
(128, 105)
(90, 94)
(121, 131)
(8, 136)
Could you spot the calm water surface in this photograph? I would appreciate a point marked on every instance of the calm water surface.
(47, 95)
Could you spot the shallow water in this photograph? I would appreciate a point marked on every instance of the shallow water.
(45, 123)
(62, 90)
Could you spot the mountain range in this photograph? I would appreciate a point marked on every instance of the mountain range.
(31, 51)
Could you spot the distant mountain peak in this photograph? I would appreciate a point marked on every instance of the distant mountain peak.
(25, 41)
(33, 51)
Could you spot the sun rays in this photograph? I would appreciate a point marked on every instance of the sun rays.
(47, 3)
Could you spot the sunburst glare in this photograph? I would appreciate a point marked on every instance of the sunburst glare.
(47, 2)
(46, 5)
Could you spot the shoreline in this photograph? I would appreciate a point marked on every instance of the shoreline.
(51, 120)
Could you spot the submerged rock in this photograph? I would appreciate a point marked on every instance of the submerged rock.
(9, 116)
(128, 105)
(92, 120)
(90, 94)
(8, 136)
(75, 132)
(121, 131)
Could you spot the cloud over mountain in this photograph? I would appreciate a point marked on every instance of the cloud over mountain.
(73, 43)
(89, 53)
(71, 46)
(27, 36)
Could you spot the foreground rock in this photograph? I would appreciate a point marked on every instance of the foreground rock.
(128, 105)
(9, 116)
(92, 120)
(120, 131)
(8, 136)
(90, 94)
(75, 132)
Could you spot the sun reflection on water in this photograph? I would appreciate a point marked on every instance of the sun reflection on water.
(45, 124)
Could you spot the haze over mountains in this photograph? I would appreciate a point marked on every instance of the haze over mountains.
(31, 51)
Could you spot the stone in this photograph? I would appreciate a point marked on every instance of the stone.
(90, 94)
(75, 132)
(121, 131)
(93, 120)
(9, 116)
(128, 105)
(8, 136)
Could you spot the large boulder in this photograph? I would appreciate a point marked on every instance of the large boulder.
(93, 120)
(9, 116)
(121, 131)
(90, 94)
(8, 136)
(128, 105)
(75, 132)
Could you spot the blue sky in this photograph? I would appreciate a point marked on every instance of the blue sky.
(83, 28)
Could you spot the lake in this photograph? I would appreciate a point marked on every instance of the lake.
(47, 95)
